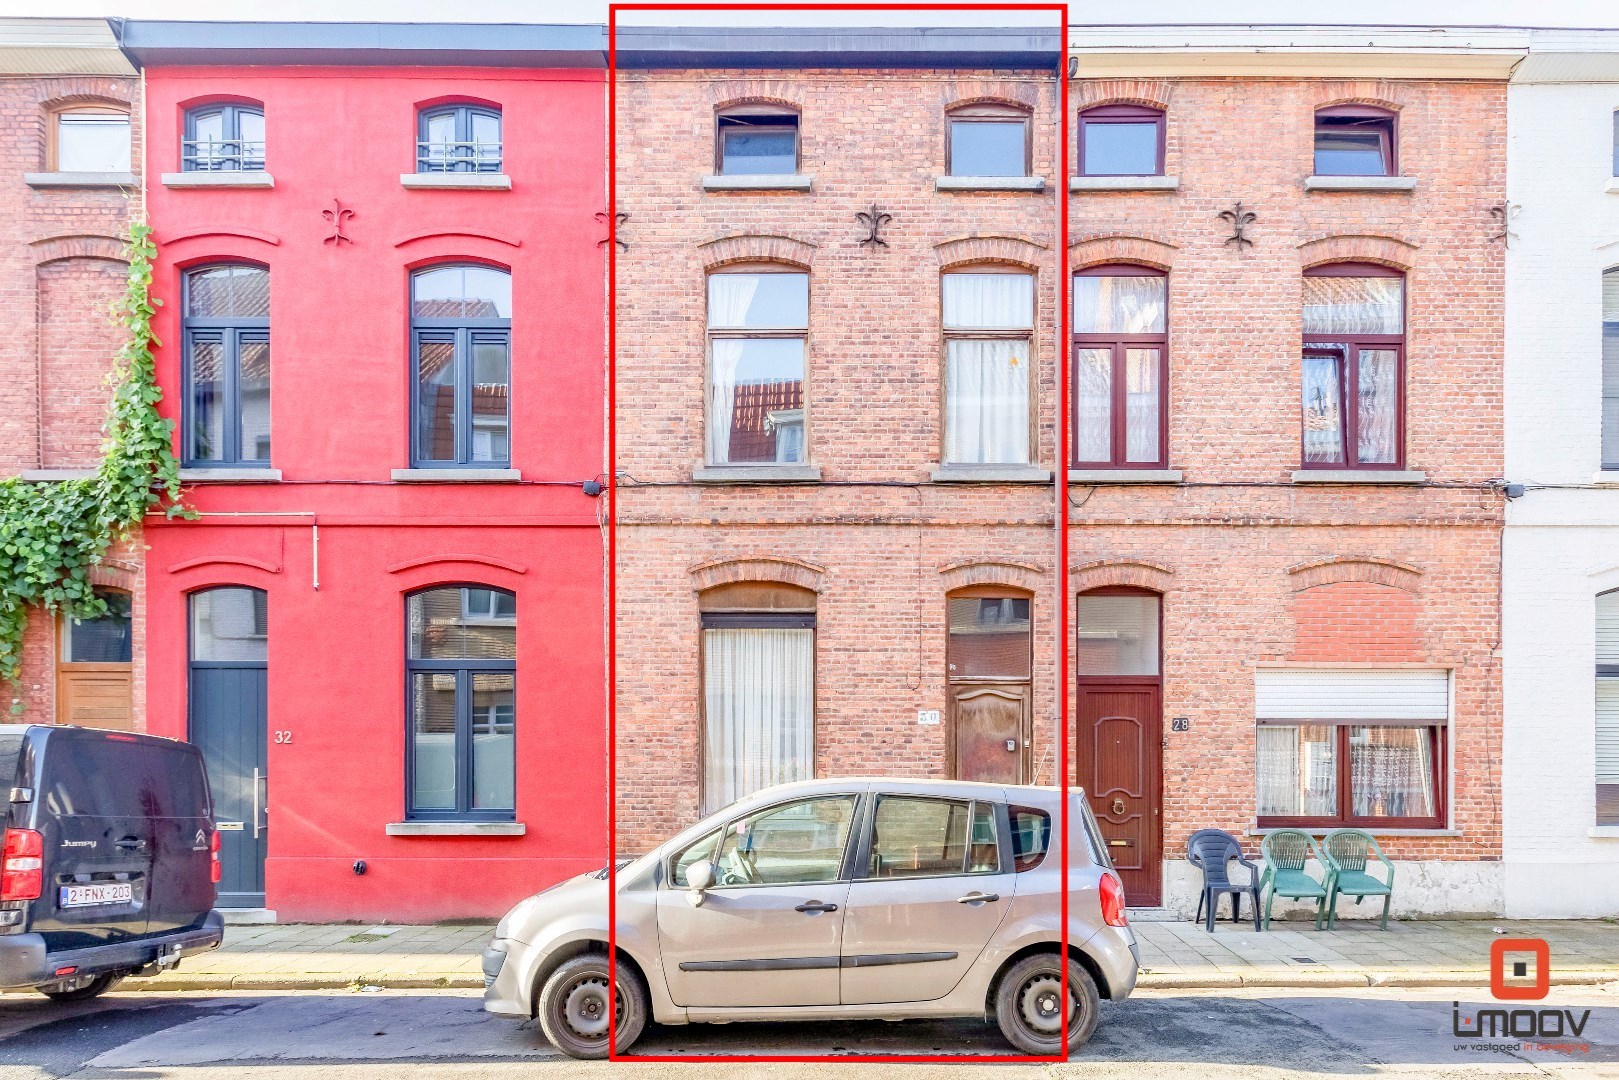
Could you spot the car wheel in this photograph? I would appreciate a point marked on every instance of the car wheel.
(1027, 1009)
(80, 987)
(573, 1007)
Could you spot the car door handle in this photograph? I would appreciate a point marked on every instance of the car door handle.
(978, 898)
(815, 907)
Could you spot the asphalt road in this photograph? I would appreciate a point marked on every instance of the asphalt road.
(394, 1035)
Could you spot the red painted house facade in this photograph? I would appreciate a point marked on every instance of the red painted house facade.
(383, 335)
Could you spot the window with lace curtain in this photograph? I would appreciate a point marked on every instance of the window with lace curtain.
(1119, 371)
(758, 321)
(988, 345)
(1353, 369)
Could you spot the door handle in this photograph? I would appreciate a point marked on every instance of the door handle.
(978, 898)
(815, 907)
(257, 828)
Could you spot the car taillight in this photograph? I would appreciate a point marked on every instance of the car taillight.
(22, 865)
(1112, 901)
(215, 872)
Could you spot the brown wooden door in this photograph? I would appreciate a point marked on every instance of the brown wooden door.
(988, 724)
(1120, 766)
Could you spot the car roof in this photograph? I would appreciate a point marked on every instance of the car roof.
(965, 789)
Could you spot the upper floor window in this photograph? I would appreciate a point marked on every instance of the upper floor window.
(756, 140)
(1121, 140)
(461, 345)
(1610, 369)
(226, 360)
(1607, 715)
(1616, 142)
(989, 140)
(1119, 368)
(1354, 367)
(757, 325)
(89, 139)
(223, 137)
(458, 138)
(988, 338)
(1355, 140)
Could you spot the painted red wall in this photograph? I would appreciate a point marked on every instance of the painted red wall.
(339, 421)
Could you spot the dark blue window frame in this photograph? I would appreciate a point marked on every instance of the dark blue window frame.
(462, 154)
(230, 332)
(232, 153)
(465, 333)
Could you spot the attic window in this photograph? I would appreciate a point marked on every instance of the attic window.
(1355, 140)
(757, 141)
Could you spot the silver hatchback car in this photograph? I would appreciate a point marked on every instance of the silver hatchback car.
(836, 900)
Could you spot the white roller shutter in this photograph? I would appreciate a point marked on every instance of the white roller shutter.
(1607, 731)
(1372, 695)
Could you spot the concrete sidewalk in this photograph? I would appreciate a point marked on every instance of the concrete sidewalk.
(1174, 955)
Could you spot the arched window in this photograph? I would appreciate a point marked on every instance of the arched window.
(1354, 367)
(88, 138)
(1120, 370)
(223, 137)
(1121, 140)
(758, 642)
(1610, 369)
(458, 138)
(461, 663)
(461, 343)
(1607, 717)
(756, 140)
(989, 664)
(226, 330)
(1355, 140)
(988, 317)
(989, 139)
(758, 319)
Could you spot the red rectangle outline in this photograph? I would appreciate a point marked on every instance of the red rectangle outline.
(1060, 489)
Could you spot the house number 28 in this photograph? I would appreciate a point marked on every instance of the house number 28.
(283, 736)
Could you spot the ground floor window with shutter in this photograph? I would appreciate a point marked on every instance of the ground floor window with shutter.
(1607, 718)
(1352, 747)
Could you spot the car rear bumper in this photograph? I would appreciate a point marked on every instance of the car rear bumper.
(25, 962)
(1115, 952)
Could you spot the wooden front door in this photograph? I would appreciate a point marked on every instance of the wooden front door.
(1120, 766)
(989, 724)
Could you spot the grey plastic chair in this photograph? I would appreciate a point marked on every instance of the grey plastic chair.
(1212, 851)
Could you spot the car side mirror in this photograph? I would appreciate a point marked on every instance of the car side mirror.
(699, 879)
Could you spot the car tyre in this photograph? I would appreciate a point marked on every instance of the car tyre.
(80, 988)
(572, 1006)
(1026, 1004)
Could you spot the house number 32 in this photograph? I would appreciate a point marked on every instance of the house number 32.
(283, 737)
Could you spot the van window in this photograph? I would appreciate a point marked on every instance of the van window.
(104, 777)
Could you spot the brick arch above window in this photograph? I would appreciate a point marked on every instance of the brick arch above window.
(1358, 247)
(89, 94)
(78, 246)
(1152, 93)
(765, 568)
(728, 250)
(954, 254)
(1142, 250)
(730, 94)
(1017, 95)
(1379, 93)
(1396, 575)
(112, 576)
(1016, 575)
(1136, 573)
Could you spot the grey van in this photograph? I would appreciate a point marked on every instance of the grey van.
(109, 859)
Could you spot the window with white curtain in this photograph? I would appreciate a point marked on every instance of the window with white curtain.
(989, 341)
(1607, 717)
(757, 323)
(1118, 366)
(1353, 367)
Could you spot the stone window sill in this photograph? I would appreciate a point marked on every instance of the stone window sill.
(1360, 476)
(991, 474)
(455, 476)
(455, 828)
(47, 476)
(449, 181)
(1612, 186)
(1360, 183)
(759, 182)
(1124, 183)
(79, 179)
(1603, 832)
(989, 183)
(1125, 476)
(1255, 830)
(238, 178)
(1606, 478)
(206, 475)
(757, 474)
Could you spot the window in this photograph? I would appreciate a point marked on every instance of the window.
(89, 139)
(1607, 715)
(1354, 140)
(1119, 373)
(988, 345)
(1121, 140)
(988, 140)
(757, 323)
(799, 843)
(1610, 369)
(1362, 747)
(230, 625)
(458, 138)
(461, 343)
(920, 837)
(462, 673)
(104, 639)
(1118, 633)
(758, 646)
(756, 140)
(223, 138)
(1616, 142)
(1353, 367)
(226, 329)
(1031, 837)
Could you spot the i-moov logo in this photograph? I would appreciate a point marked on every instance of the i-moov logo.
(1520, 970)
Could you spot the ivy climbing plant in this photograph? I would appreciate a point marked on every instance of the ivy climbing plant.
(53, 533)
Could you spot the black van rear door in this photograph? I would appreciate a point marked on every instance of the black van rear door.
(182, 888)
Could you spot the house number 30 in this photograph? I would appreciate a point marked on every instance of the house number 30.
(283, 737)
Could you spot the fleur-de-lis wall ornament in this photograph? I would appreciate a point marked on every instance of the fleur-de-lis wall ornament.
(1500, 212)
(874, 220)
(336, 217)
(1239, 220)
(618, 219)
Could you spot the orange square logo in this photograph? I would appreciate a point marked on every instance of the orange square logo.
(1510, 961)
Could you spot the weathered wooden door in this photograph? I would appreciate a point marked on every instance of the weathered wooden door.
(988, 723)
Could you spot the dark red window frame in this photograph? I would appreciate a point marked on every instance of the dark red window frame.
(1439, 751)
(1120, 114)
(1389, 131)
(1119, 343)
(1349, 373)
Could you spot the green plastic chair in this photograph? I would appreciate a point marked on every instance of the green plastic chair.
(1285, 852)
(1347, 852)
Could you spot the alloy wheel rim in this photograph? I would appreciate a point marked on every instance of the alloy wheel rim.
(584, 1008)
(1039, 1003)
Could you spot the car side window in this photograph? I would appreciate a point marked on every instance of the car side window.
(798, 843)
(922, 837)
(694, 852)
(1031, 836)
